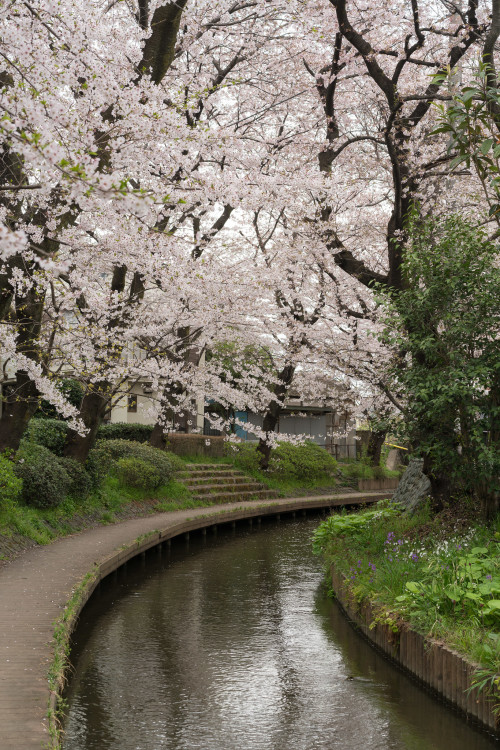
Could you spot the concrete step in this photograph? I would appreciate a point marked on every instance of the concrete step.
(206, 474)
(191, 481)
(208, 467)
(229, 497)
(217, 489)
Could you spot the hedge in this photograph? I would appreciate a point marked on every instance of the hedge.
(139, 433)
(305, 461)
(51, 433)
(45, 481)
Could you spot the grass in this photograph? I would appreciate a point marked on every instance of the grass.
(439, 573)
(61, 648)
(362, 470)
(103, 506)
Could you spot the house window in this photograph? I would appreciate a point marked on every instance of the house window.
(132, 403)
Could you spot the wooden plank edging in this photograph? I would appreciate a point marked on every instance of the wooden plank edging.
(445, 672)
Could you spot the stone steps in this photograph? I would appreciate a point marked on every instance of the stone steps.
(210, 467)
(220, 483)
(235, 497)
(213, 489)
(202, 475)
(210, 479)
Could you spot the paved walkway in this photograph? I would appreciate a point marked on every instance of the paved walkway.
(35, 587)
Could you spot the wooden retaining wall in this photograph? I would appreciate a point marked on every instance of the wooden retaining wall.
(377, 484)
(442, 670)
(193, 444)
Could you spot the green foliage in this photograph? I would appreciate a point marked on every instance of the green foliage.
(51, 433)
(457, 578)
(139, 433)
(363, 470)
(444, 583)
(134, 472)
(98, 463)
(244, 456)
(10, 485)
(71, 389)
(307, 461)
(352, 525)
(163, 463)
(81, 483)
(446, 322)
(470, 121)
(299, 462)
(45, 481)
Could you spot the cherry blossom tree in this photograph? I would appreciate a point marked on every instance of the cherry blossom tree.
(168, 169)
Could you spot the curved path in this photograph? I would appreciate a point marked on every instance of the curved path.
(35, 588)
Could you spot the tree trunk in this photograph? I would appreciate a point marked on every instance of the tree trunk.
(157, 438)
(273, 411)
(375, 443)
(24, 400)
(17, 412)
(91, 412)
(269, 426)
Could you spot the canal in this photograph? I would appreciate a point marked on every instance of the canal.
(229, 642)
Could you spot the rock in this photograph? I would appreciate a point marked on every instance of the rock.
(414, 486)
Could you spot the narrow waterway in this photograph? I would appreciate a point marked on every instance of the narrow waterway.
(228, 642)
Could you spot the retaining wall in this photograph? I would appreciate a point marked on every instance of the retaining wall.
(377, 484)
(192, 444)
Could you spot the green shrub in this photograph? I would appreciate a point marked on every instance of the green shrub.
(357, 470)
(98, 464)
(176, 462)
(244, 456)
(164, 463)
(307, 461)
(139, 433)
(81, 483)
(51, 433)
(361, 470)
(10, 485)
(132, 472)
(45, 481)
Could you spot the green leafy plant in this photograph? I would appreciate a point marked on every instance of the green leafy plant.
(98, 464)
(350, 525)
(80, 481)
(51, 433)
(164, 463)
(139, 433)
(45, 481)
(446, 323)
(300, 462)
(134, 472)
(306, 461)
(456, 581)
(10, 485)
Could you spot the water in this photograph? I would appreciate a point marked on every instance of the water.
(229, 643)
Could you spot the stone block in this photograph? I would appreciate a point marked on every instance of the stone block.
(414, 486)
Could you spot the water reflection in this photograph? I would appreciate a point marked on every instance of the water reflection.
(229, 643)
